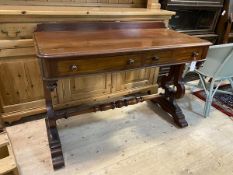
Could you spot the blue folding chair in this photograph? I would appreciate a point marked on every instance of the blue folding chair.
(219, 67)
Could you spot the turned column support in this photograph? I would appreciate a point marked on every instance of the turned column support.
(1, 125)
(51, 125)
(167, 101)
(1, 121)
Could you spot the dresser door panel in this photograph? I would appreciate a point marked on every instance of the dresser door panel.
(82, 89)
(94, 88)
(20, 80)
(134, 79)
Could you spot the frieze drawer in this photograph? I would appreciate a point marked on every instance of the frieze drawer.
(180, 55)
(82, 66)
(91, 65)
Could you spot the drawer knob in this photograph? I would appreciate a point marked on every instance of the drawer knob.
(155, 58)
(131, 61)
(195, 55)
(74, 67)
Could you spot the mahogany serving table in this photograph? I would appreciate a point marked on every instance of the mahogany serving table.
(66, 50)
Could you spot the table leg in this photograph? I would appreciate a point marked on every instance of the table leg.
(51, 125)
(167, 101)
(1, 125)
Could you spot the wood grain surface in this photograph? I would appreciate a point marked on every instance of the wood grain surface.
(84, 43)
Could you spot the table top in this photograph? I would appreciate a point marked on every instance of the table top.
(60, 44)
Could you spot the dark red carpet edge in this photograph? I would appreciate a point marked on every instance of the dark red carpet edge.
(198, 94)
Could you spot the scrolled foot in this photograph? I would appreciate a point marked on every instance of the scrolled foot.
(56, 152)
(58, 162)
(170, 106)
(55, 147)
(180, 121)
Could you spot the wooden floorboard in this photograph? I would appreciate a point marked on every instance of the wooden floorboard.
(137, 140)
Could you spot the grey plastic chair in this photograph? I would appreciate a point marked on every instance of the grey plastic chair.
(219, 67)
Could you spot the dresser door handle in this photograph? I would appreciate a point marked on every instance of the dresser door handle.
(74, 67)
(195, 55)
(131, 61)
(155, 58)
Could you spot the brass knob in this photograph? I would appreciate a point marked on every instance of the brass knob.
(74, 67)
(155, 58)
(195, 55)
(131, 61)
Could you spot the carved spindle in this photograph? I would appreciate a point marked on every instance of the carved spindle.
(118, 104)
